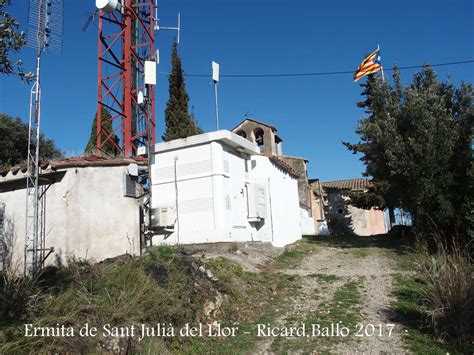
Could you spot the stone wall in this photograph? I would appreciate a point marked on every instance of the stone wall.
(304, 190)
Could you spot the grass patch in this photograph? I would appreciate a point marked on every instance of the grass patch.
(408, 291)
(325, 277)
(289, 257)
(295, 253)
(343, 307)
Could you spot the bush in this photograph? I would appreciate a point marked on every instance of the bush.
(19, 296)
(449, 295)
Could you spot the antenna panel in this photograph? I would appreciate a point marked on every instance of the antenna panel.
(45, 25)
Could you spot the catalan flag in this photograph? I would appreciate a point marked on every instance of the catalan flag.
(371, 64)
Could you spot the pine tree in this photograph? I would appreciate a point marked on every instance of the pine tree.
(179, 122)
(109, 149)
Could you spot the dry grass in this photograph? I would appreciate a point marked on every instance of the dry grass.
(123, 291)
(449, 293)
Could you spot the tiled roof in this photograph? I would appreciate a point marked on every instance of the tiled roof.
(351, 184)
(91, 160)
(259, 122)
(280, 163)
(293, 157)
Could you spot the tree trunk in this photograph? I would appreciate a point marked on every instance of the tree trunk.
(391, 213)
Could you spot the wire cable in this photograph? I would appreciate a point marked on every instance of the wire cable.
(282, 75)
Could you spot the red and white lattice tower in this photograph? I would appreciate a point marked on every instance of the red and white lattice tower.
(125, 43)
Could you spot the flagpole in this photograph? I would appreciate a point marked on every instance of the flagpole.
(381, 68)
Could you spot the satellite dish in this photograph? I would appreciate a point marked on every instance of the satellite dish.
(106, 5)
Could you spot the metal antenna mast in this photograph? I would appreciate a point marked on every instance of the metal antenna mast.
(126, 42)
(45, 23)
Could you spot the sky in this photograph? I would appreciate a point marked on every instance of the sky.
(313, 114)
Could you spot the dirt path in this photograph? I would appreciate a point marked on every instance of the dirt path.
(324, 271)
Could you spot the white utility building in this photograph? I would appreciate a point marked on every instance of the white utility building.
(213, 187)
(216, 187)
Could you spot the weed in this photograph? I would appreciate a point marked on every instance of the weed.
(162, 254)
(234, 247)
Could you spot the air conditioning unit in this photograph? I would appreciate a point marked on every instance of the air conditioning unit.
(162, 217)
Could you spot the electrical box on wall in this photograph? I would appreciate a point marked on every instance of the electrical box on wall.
(162, 217)
(257, 202)
(129, 186)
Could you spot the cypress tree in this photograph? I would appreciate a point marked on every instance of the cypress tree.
(109, 148)
(179, 122)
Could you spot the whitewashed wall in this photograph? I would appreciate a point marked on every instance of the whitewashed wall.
(283, 202)
(306, 222)
(86, 216)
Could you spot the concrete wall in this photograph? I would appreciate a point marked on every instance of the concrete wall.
(346, 219)
(317, 201)
(86, 215)
(304, 190)
(212, 180)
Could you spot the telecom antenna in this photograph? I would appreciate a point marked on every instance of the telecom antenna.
(45, 27)
(215, 79)
(157, 27)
